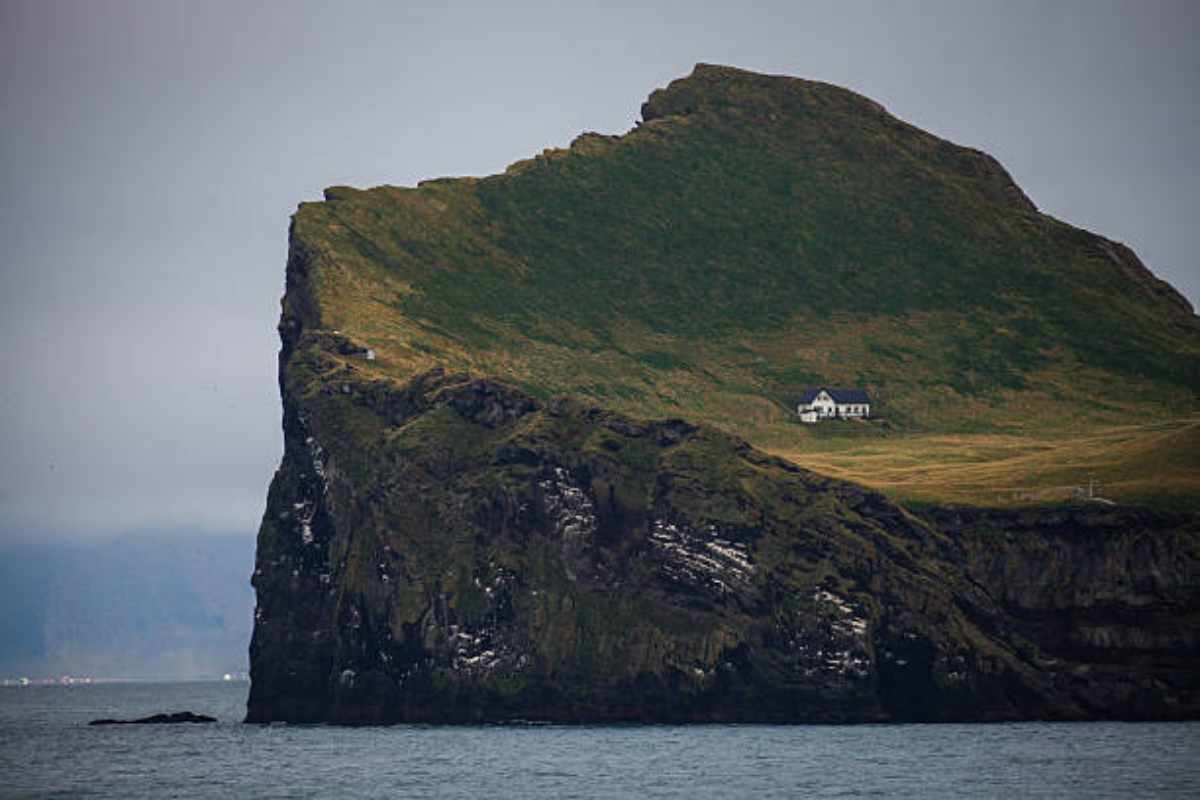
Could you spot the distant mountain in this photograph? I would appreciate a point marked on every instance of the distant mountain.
(164, 605)
(509, 488)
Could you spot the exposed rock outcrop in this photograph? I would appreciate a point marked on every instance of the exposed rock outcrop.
(174, 718)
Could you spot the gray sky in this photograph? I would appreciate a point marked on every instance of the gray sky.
(151, 153)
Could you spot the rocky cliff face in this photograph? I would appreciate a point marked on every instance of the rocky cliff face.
(460, 530)
(453, 549)
(1109, 597)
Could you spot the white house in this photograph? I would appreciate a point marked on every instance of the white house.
(822, 403)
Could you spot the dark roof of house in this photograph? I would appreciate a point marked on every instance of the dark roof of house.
(838, 395)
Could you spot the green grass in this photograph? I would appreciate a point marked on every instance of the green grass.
(754, 237)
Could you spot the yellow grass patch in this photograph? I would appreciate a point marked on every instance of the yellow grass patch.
(1142, 462)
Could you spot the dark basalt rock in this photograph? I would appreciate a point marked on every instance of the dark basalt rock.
(175, 718)
(453, 550)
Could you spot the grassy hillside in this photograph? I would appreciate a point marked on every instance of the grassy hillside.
(758, 235)
(1154, 463)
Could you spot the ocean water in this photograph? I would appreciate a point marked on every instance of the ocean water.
(48, 750)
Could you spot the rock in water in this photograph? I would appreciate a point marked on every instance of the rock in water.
(448, 540)
(158, 719)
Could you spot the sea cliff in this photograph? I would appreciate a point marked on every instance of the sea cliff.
(524, 473)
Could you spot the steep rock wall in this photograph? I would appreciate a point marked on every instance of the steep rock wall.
(456, 550)
(1110, 596)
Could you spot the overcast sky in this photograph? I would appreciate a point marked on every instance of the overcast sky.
(151, 153)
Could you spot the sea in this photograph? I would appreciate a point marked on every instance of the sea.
(47, 749)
